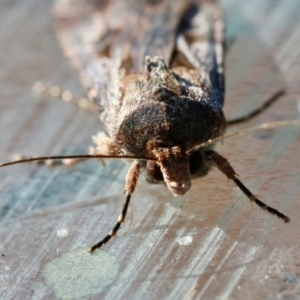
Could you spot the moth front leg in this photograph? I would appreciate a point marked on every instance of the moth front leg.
(224, 166)
(131, 181)
(105, 145)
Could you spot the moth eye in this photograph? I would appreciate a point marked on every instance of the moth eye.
(154, 171)
(196, 162)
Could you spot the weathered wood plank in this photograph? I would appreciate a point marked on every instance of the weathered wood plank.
(50, 216)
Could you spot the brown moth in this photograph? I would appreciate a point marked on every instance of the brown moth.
(154, 74)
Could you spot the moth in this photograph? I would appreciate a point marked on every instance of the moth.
(154, 73)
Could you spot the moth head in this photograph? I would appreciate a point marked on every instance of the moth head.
(171, 166)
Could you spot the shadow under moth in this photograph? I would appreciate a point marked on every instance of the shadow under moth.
(154, 73)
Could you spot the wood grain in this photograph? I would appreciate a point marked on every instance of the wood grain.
(209, 244)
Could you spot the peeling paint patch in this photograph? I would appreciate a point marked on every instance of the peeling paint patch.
(78, 274)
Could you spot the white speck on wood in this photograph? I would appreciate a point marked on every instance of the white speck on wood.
(63, 232)
(187, 240)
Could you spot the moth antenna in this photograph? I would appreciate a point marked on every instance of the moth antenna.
(82, 156)
(245, 131)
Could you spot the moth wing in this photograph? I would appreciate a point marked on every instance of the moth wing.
(78, 26)
(107, 40)
(199, 44)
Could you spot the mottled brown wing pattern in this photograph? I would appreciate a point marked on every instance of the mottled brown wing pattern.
(107, 40)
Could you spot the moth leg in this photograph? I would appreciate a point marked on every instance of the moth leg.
(259, 110)
(224, 166)
(105, 145)
(131, 181)
(54, 91)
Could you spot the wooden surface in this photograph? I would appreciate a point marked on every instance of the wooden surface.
(209, 244)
